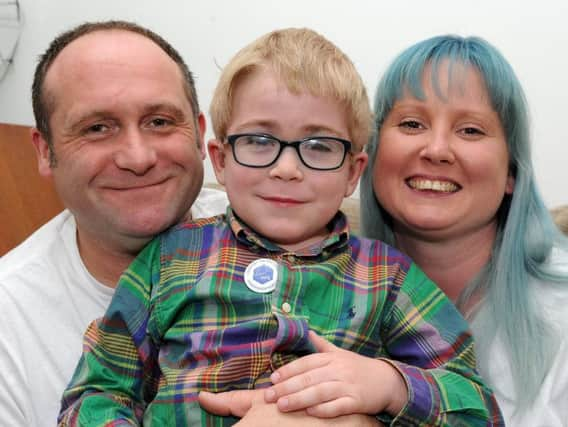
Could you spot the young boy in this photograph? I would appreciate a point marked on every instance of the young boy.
(222, 303)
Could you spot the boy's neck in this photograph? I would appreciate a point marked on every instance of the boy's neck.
(306, 243)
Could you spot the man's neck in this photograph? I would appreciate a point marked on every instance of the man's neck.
(106, 260)
(451, 263)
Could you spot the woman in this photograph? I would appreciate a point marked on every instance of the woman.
(450, 182)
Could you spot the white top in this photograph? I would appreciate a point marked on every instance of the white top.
(47, 300)
(550, 409)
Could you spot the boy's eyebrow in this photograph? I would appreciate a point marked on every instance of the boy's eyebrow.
(322, 130)
(273, 127)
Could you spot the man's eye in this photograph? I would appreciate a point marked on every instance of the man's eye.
(96, 128)
(159, 122)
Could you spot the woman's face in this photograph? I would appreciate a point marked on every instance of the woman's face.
(442, 163)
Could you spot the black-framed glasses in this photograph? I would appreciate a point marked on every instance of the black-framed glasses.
(258, 150)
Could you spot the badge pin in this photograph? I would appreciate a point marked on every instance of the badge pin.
(261, 275)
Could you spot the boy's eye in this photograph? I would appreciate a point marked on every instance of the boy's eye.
(257, 141)
(318, 145)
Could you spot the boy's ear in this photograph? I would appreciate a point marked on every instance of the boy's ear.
(43, 153)
(216, 151)
(356, 167)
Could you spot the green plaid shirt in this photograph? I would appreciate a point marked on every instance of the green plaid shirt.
(183, 320)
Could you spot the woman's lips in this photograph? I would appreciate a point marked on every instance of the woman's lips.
(436, 185)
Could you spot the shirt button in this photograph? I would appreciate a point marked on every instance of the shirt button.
(286, 308)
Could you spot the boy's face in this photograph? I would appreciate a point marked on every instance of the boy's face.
(286, 202)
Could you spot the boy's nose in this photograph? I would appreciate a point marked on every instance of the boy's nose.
(288, 166)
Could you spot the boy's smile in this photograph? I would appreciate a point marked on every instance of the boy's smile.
(286, 202)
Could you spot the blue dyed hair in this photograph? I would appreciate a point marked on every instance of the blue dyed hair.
(526, 232)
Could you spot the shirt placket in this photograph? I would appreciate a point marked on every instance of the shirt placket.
(291, 340)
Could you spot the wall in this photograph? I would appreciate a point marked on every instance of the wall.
(23, 208)
(532, 35)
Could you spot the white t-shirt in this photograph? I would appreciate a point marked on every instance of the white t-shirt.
(47, 300)
(550, 409)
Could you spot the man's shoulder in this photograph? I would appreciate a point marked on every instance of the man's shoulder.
(209, 202)
(40, 244)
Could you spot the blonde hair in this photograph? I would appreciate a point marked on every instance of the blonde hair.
(304, 61)
(560, 216)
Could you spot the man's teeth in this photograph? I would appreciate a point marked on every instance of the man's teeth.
(426, 184)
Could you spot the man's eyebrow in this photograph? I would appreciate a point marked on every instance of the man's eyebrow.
(168, 108)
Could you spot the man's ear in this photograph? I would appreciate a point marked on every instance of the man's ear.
(202, 125)
(216, 151)
(43, 153)
(356, 167)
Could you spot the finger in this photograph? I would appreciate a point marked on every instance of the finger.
(301, 382)
(235, 403)
(299, 366)
(321, 344)
(310, 397)
(332, 408)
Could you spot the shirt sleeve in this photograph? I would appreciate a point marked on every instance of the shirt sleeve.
(117, 374)
(14, 399)
(429, 343)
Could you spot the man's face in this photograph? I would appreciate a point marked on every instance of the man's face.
(128, 162)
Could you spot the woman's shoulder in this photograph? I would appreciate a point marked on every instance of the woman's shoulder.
(551, 295)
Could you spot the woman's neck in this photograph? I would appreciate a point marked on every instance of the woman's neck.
(451, 263)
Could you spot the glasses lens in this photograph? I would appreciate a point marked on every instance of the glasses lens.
(322, 153)
(256, 150)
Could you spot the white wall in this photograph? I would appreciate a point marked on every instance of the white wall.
(532, 35)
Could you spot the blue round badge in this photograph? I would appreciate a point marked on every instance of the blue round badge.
(261, 275)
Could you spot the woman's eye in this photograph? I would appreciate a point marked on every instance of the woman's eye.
(472, 131)
(410, 124)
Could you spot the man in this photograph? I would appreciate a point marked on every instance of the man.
(120, 132)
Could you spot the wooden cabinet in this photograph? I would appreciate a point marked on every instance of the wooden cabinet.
(27, 200)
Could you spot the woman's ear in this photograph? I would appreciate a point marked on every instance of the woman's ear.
(510, 184)
(356, 167)
(216, 151)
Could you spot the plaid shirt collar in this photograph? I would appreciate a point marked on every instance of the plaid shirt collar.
(336, 240)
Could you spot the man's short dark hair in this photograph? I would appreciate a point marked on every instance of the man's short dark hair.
(42, 101)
